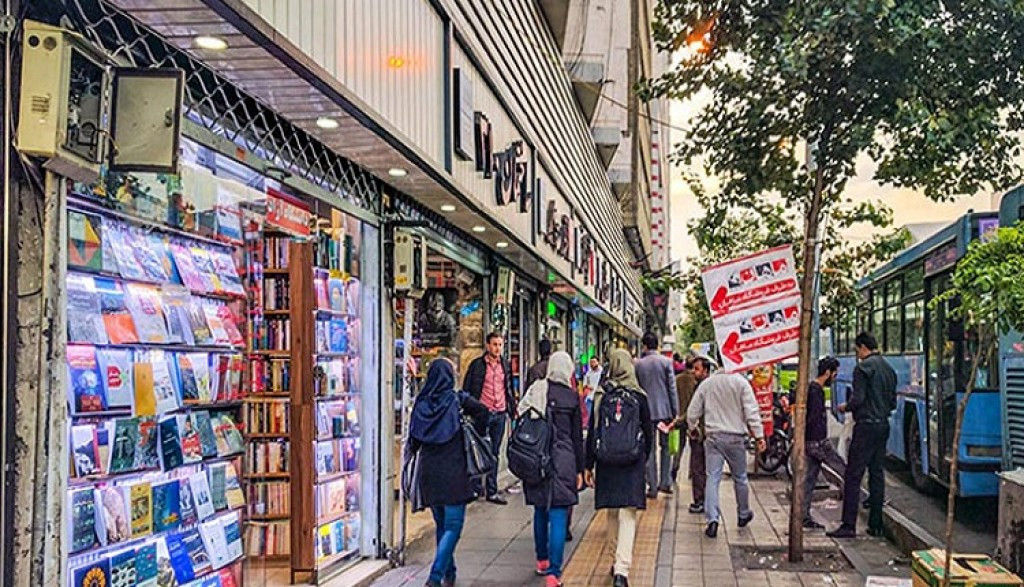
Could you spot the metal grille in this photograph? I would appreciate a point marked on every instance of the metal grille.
(221, 107)
(1013, 395)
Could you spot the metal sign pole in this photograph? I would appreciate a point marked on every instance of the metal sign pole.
(407, 381)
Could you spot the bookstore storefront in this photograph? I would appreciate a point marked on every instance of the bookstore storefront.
(219, 350)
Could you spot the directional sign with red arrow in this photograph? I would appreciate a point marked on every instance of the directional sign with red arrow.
(759, 334)
(750, 280)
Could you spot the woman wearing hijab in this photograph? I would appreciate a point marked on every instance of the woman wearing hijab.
(620, 488)
(555, 399)
(435, 431)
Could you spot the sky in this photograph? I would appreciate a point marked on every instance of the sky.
(908, 206)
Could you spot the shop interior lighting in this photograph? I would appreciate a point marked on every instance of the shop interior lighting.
(211, 43)
(501, 244)
(397, 172)
(478, 228)
(326, 123)
(447, 208)
(396, 62)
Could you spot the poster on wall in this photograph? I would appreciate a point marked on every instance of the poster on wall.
(763, 381)
(437, 319)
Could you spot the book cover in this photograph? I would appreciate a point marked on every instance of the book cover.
(113, 520)
(85, 450)
(122, 568)
(116, 371)
(141, 507)
(146, 569)
(92, 574)
(104, 439)
(338, 535)
(125, 442)
(211, 581)
(232, 528)
(352, 301)
(144, 396)
(147, 453)
(204, 264)
(190, 275)
(324, 544)
(353, 533)
(164, 384)
(85, 316)
(176, 299)
(181, 563)
(200, 485)
(218, 485)
(84, 241)
(166, 505)
(320, 286)
(117, 234)
(83, 519)
(191, 447)
(109, 259)
(187, 505)
(352, 493)
(216, 546)
(143, 302)
(200, 363)
(117, 320)
(229, 439)
(149, 252)
(207, 439)
(336, 291)
(187, 375)
(227, 578)
(338, 342)
(170, 444)
(193, 543)
(230, 322)
(164, 569)
(84, 380)
(232, 488)
(225, 267)
(197, 322)
(167, 259)
(217, 330)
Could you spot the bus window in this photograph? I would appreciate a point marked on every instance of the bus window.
(893, 333)
(863, 320)
(941, 379)
(878, 324)
(988, 368)
(913, 326)
(913, 281)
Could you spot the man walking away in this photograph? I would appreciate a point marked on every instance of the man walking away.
(654, 373)
(727, 403)
(871, 402)
(685, 386)
(591, 382)
(698, 368)
(540, 369)
(818, 448)
(489, 380)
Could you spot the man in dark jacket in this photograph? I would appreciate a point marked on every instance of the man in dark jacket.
(871, 401)
(489, 380)
(540, 369)
(818, 448)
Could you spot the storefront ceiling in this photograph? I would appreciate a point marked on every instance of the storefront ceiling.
(261, 61)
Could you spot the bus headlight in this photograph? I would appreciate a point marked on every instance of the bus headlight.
(974, 450)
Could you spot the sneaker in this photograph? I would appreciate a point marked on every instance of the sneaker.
(542, 567)
(842, 532)
(497, 499)
(652, 494)
(552, 581)
(697, 508)
(812, 525)
(665, 490)
(744, 520)
(620, 581)
(712, 530)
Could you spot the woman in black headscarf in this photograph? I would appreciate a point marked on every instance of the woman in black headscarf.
(444, 484)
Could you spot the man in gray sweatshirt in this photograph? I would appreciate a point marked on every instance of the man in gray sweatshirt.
(727, 403)
(658, 380)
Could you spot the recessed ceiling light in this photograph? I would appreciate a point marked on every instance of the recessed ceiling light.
(211, 43)
(396, 62)
(397, 172)
(478, 228)
(447, 208)
(501, 244)
(326, 123)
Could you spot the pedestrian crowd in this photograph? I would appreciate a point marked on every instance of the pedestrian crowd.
(621, 431)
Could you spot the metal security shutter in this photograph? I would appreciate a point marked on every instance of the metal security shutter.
(1013, 407)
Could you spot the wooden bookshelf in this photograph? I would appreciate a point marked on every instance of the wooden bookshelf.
(303, 405)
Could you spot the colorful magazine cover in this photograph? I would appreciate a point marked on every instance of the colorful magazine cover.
(141, 508)
(220, 334)
(84, 241)
(193, 543)
(225, 267)
(116, 371)
(125, 434)
(176, 301)
(147, 453)
(85, 385)
(113, 522)
(191, 446)
(336, 293)
(85, 317)
(122, 568)
(146, 308)
(204, 264)
(146, 566)
(207, 438)
(121, 245)
(170, 444)
(116, 318)
(83, 519)
(149, 252)
(166, 505)
(165, 387)
(230, 322)
(197, 322)
(187, 505)
(200, 485)
(190, 274)
(92, 574)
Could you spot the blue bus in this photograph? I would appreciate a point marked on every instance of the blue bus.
(931, 354)
(1011, 359)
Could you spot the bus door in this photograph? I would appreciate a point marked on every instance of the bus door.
(942, 355)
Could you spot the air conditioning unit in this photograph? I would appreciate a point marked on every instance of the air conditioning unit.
(410, 266)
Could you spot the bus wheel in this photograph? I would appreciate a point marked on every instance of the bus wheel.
(912, 445)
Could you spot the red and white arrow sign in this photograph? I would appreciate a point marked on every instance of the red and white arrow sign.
(734, 348)
(759, 334)
(723, 301)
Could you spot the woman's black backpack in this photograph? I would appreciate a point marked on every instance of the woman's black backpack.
(618, 436)
(529, 449)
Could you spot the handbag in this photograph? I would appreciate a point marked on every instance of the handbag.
(411, 479)
(480, 460)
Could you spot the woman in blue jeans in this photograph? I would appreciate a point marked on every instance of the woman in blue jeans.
(555, 398)
(435, 431)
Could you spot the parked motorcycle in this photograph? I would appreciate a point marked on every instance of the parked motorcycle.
(780, 443)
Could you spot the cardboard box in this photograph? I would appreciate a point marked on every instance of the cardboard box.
(966, 570)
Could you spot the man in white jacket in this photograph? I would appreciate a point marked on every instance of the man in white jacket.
(727, 403)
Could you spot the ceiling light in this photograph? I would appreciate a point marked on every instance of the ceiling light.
(211, 43)
(326, 123)
(478, 228)
(397, 172)
(396, 62)
(501, 244)
(447, 208)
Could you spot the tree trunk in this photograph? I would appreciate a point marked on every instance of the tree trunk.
(796, 512)
(985, 343)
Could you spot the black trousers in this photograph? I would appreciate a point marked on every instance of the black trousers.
(867, 452)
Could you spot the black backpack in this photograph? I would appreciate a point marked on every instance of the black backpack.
(529, 449)
(618, 436)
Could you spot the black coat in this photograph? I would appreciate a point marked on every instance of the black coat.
(567, 450)
(473, 384)
(622, 486)
(443, 476)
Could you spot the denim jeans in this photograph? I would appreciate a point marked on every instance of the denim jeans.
(719, 449)
(819, 452)
(549, 527)
(495, 433)
(448, 520)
